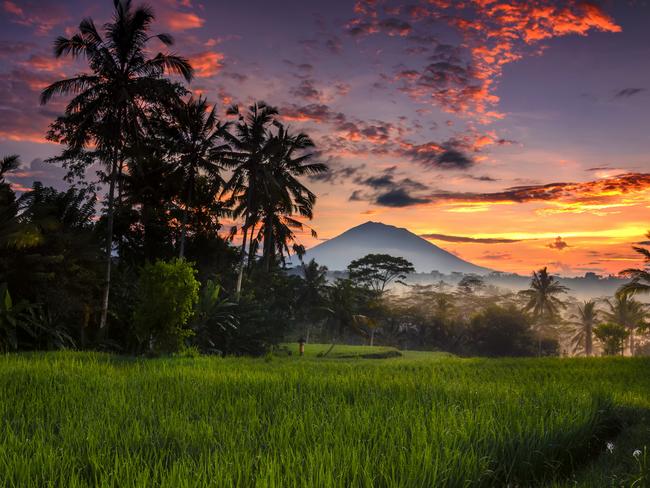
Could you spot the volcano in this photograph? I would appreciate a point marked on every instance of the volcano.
(378, 238)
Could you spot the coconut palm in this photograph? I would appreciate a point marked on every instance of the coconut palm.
(285, 198)
(629, 313)
(196, 137)
(264, 186)
(640, 276)
(542, 300)
(250, 144)
(8, 164)
(585, 321)
(109, 104)
(312, 293)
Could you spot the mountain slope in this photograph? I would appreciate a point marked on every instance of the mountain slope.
(378, 238)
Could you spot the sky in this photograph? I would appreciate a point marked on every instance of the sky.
(513, 134)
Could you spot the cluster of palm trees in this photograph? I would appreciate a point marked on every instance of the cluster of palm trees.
(545, 304)
(623, 313)
(165, 154)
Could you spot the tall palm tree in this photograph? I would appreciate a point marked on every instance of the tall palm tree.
(285, 197)
(196, 136)
(543, 301)
(109, 104)
(250, 145)
(585, 320)
(640, 276)
(630, 313)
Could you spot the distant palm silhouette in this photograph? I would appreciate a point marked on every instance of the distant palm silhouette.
(543, 301)
(630, 313)
(586, 319)
(108, 104)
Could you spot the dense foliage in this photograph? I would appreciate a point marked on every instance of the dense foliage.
(167, 294)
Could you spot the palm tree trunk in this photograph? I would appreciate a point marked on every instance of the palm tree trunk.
(251, 247)
(181, 252)
(240, 276)
(109, 242)
(589, 345)
(268, 244)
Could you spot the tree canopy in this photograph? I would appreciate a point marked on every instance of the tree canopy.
(377, 271)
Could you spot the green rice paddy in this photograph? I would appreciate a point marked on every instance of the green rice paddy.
(420, 420)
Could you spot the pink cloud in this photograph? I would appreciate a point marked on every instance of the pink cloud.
(207, 64)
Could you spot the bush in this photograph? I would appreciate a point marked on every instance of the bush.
(612, 337)
(264, 313)
(167, 293)
(501, 331)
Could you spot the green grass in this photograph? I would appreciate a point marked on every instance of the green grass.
(81, 419)
(339, 350)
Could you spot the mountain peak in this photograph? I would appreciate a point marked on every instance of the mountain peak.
(380, 238)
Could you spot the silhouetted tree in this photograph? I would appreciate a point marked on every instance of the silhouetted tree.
(312, 293)
(628, 313)
(542, 300)
(585, 321)
(640, 276)
(376, 271)
(612, 336)
(195, 136)
(250, 141)
(109, 103)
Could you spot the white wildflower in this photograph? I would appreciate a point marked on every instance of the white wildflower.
(610, 447)
(636, 453)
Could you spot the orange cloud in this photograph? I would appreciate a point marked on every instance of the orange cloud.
(463, 79)
(183, 21)
(207, 64)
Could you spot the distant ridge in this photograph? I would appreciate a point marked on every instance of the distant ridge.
(378, 238)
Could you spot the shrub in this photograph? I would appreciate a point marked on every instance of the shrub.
(167, 293)
(612, 337)
(501, 331)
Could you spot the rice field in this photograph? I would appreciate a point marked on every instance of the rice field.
(86, 419)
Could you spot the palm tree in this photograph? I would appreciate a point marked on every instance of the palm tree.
(250, 149)
(586, 321)
(342, 309)
(196, 137)
(312, 292)
(285, 196)
(109, 104)
(8, 164)
(640, 276)
(629, 313)
(542, 299)
(8, 204)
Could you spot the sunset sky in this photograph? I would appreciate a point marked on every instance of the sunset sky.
(514, 134)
